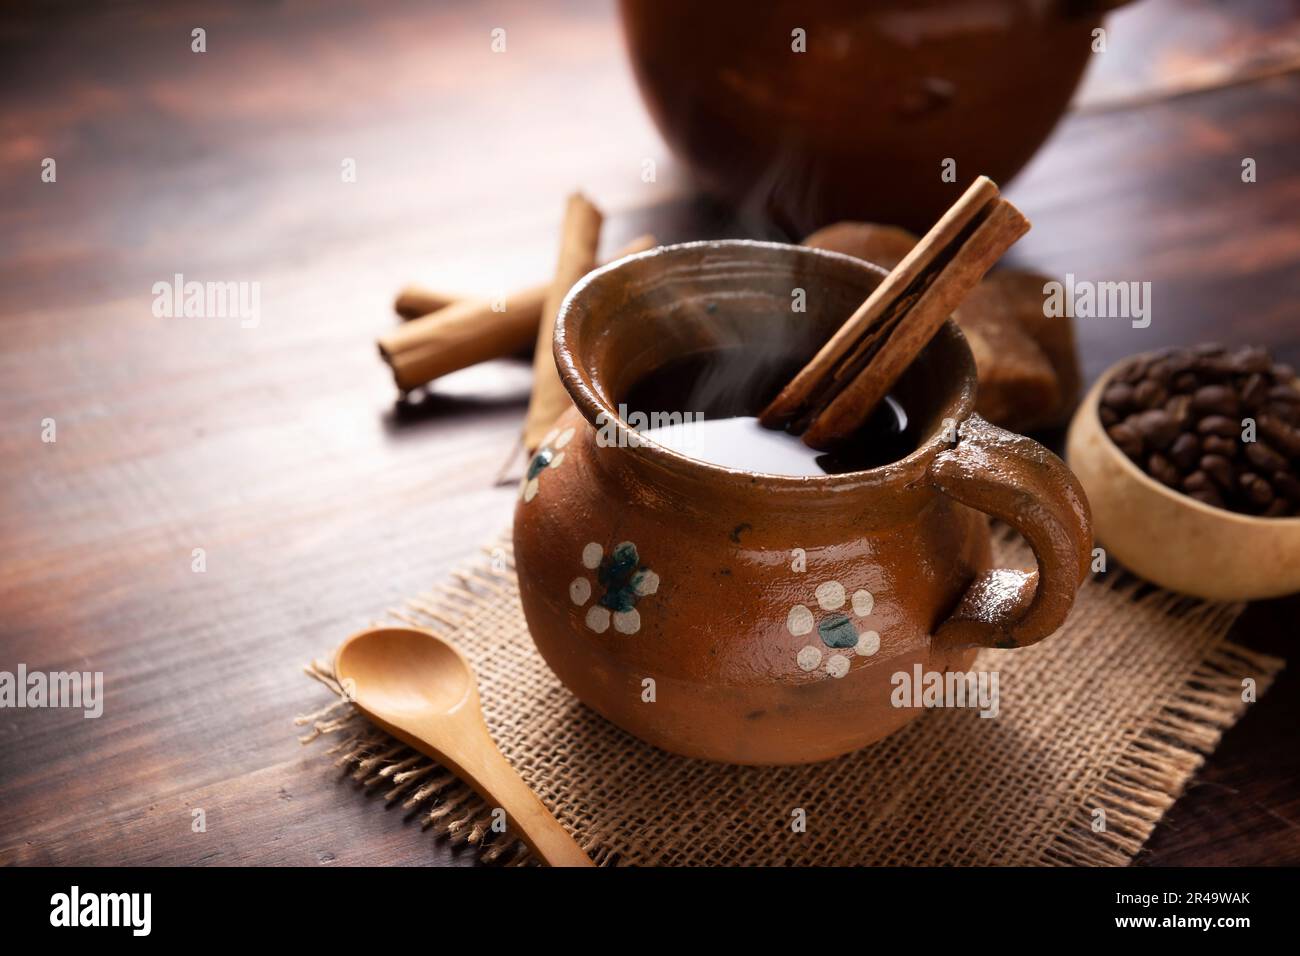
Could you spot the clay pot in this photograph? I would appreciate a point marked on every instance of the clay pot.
(771, 612)
(857, 126)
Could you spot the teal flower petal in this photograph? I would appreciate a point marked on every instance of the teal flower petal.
(837, 631)
(540, 461)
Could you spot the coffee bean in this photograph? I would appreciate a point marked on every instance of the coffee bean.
(1119, 396)
(1207, 496)
(1254, 390)
(1250, 360)
(1180, 414)
(1185, 450)
(1217, 369)
(1218, 425)
(1215, 400)
(1280, 508)
(1288, 412)
(1158, 372)
(1218, 468)
(1179, 408)
(1132, 371)
(1256, 489)
(1218, 445)
(1199, 486)
(1287, 484)
(1284, 393)
(1285, 438)
(1150, 394)
(1264, 458)
(1126, 439)
(1162, 470)
(1156, 426)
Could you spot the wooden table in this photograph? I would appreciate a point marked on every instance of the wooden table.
(278, 450)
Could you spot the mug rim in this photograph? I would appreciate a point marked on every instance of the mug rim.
(591, 403)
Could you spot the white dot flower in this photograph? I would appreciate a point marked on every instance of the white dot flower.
(836, 630)
(548, 457)
(624, 582)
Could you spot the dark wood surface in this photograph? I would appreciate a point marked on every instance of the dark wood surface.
(279, 449)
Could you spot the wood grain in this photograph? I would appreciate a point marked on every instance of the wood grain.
(278, 449)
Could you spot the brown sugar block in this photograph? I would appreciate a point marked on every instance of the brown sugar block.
(1017, 385)
(1021, 294)
(884, 246)
(1028, 369)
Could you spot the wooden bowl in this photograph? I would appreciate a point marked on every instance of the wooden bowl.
(1171, 539)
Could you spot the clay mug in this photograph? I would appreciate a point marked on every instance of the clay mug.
(756, 618)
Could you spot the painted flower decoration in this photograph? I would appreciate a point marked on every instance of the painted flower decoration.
(624, 582)
(836, 629)
(549, 456)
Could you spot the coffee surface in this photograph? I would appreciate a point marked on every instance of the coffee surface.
(743, 444)
(712, 400)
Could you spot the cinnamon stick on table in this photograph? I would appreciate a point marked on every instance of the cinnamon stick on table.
(834, 394)
(460, 335)
(578, 242)
(415, 301)
(465, 333)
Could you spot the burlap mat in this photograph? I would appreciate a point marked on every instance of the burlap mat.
(1113, 713)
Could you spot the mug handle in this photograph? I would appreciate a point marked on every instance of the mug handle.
(1013, 478)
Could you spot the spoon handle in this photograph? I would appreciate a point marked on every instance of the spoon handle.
(491, 774)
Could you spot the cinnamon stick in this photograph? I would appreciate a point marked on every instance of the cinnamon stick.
(850, 408)
(415, 301)
(835, 393)
(470, 331)
(460, 335)
(578, 241)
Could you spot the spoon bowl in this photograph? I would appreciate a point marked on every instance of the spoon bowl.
(411, 670)
(419, 688)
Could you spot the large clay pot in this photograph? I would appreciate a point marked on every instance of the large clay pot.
(858, 125)
(771, 612)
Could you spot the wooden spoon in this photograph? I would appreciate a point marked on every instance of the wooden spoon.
(418, 688)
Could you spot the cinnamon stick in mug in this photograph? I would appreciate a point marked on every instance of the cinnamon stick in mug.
(840, 386)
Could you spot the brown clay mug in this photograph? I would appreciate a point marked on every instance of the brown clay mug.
(756, 618)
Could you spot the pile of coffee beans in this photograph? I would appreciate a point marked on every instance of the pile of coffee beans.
(1184, 416)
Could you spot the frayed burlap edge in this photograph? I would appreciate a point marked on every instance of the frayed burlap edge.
(385, 767)
(1134, 793)
(1153, 771)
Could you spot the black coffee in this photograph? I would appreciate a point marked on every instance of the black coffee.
(715, 397)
